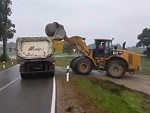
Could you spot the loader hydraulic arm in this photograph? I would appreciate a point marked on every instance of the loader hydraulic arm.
(57, 32)
(80, 43)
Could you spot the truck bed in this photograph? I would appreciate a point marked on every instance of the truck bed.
(34, 47)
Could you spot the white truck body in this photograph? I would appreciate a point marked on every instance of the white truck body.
(35, 56)
(35, 48)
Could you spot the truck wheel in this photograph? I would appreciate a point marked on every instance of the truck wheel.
(83, 66)
(50, 74)
(72, 63)
(116, 69)
(24, 76)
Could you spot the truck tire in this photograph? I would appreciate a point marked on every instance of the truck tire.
(72, 63)
(116, 69)
(83, 66)
(24, 76)
(51, 74)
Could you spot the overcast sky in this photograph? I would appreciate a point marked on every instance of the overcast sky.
(121, 19)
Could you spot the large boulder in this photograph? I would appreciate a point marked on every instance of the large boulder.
(55, 30)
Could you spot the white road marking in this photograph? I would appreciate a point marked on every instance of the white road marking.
(53, 97)
(9, 84)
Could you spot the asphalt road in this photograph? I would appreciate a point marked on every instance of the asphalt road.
(25, 96)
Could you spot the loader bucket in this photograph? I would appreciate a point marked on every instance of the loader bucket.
(55, 30)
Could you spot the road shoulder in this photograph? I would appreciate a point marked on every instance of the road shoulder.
(70, 99)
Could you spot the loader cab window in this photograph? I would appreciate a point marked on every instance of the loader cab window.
(107, 46)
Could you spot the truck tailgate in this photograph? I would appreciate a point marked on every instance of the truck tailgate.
(33, 48)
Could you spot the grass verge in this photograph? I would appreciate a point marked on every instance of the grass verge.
(111, 98)
(8, 64)
(63, 61)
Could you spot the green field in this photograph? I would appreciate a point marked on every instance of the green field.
(63, 61)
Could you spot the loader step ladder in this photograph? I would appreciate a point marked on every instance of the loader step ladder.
(101, 63)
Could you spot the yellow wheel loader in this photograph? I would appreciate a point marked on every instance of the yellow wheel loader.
(116, 62)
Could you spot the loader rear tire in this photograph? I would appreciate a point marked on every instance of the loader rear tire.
(73, 63)
(83, 66)
(116, 69)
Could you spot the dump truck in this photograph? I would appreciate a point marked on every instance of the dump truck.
(35, 56)
(116, 62)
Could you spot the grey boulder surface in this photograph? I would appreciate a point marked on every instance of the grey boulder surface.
(55, 30)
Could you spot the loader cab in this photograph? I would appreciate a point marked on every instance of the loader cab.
(107, 43)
